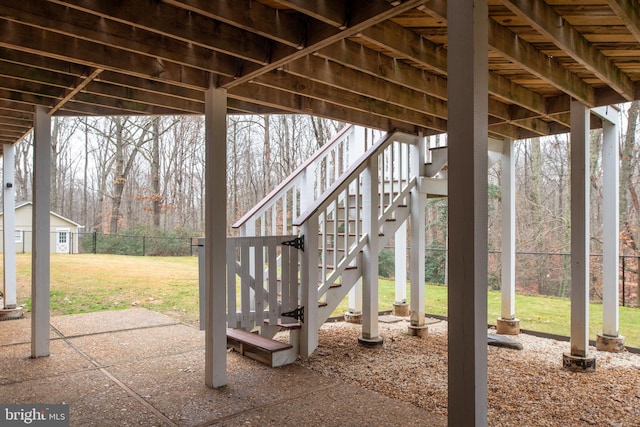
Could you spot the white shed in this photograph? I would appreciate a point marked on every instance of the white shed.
(64, 232)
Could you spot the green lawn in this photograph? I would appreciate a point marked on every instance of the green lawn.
(87, 282)
(544, 314)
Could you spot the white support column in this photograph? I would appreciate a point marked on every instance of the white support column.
(417, 217)
(40, 256)
(9, 227)
(579, 358)
(356, 149)
(309, 275)
(507, 323)
(468, 144)
(610, 338)
(216, 237)
(400, 306)
(417, 326)
(370, 204)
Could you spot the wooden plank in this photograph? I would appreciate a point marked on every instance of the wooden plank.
(629, 12)
(544, 19)
(147, 20)
(50, 44)
(320, 39)
(251, 16)
(257, 340)
(322, 92)
(539, 64)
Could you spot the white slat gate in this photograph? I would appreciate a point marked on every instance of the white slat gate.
(262, 280)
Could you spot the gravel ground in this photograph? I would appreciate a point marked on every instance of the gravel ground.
(525, 388)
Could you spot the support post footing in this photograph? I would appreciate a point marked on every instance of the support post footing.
(353, 317)
(370, 342)
(508, 326)
(610, 344)
(11, 313)
(400, 309)
(579, 363)
(418, 331)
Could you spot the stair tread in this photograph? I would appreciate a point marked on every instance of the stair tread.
(332, 267)
(256, 340)
(292, 325)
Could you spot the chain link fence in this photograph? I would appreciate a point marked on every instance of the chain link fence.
(123, 244)
(120, 244)
(546, 273)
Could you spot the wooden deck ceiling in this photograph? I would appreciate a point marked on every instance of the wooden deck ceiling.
(377, 63)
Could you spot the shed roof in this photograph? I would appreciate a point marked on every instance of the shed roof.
(23, 204)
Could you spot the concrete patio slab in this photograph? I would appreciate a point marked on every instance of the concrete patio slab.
(109, 321)
(16, 364)
(135, 344)
(174, 384)
(151, 373)
(18, 332)
(93, 399)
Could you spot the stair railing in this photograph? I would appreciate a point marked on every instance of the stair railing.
(336, 228)
(276, 211)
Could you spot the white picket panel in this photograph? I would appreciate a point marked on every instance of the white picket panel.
(261, 296)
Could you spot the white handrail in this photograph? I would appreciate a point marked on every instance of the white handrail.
(295, 179)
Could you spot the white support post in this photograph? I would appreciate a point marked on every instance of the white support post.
(400, 306)
(417, 326)
(309, 276)
(468, 144)
(507, 323)
(417, 217)
(610, 338)
(216, 237)
(370, 205)
(579, 358)
(9, 227)
(40, 257)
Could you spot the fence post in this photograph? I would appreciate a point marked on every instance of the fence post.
(144, 243)
(95, 242)
(201, 281)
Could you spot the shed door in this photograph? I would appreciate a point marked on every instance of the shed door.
(63, 235)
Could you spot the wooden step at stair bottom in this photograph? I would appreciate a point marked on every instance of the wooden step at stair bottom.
(262, 349)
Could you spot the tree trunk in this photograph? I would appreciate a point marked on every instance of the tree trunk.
(118, 178)
(156, 197)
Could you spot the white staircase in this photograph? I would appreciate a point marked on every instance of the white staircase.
(306, 244)
(343, 203)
